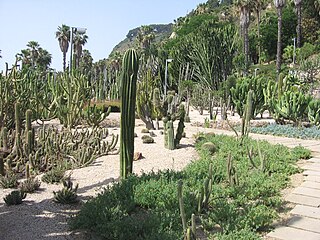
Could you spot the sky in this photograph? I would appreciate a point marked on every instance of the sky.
(107, 23)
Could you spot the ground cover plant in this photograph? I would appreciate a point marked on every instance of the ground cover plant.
(246, 180)
(288, 131)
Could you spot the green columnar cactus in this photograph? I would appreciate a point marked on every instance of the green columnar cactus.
(181, 116)
(18, 142)
(128, 101)
(181, 206)
(170, 135)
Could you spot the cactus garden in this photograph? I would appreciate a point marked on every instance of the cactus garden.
(197, 132)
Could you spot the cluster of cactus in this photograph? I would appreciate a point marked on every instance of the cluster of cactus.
(239, 94)
(144, 100)
(203, 200)
(70, 93)
(292, 106)
(314, 112)
(128, 103)
(61, 96)
(15, 197)
(285, 101)
(189, 232)
(67, 194)
(262, 159)
(95, 115)
(31, 184)
(48, 147)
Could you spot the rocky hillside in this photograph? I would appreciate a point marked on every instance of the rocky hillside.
(161, 31)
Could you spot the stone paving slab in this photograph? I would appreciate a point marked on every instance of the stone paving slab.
(311, 173)
(306, 211)
(313, 179)
(289, 233)
(314, 160)
(310, 184)
(307, 192)
(305, 223)
(303, 200)
(312, 166)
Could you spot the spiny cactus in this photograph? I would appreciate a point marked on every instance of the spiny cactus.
(128, 102)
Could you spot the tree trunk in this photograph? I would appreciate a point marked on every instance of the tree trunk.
(279, 44)
(259, 39)
(64, 61)
(299, 26)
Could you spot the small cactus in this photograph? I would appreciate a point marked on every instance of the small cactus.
(15, 197)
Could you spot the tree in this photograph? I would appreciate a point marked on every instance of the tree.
(298, 4)
(79, 40)
(244, 6)
(44, 59)
(258, 5)
(63, 36)
(34, 51)
(279, 4)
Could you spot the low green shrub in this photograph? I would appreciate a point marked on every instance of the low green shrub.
(288, 131)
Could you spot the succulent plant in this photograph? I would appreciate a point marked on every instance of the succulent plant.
(30, 185)
(15, 197)
(9, 180)
(67, 194)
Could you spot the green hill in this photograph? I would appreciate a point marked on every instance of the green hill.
(161, 31)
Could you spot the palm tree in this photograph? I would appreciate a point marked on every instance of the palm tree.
(279, 4)
(63, 36)
(44, 59)
(298, 4)
(244, 6)
(34, 51)
(258, 5)
(79, 40)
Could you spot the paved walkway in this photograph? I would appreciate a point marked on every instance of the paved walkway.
(304, 221)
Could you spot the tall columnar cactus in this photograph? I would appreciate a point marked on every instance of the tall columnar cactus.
(181, 116)
(170, 135)
(128, 101)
